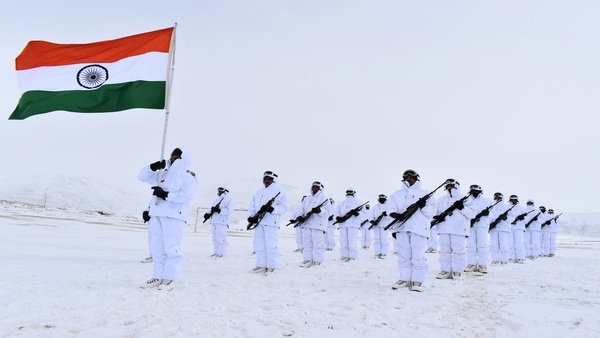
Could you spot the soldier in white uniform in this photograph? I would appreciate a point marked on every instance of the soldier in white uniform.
(453, 230)
(516, 218)
(220, 215)
(348, 218)
(500, 231)
(313, 220)
(265, 233)
(173, 190)
(379, 219)
(545, 234)
(536, 231)
(554, 229)
(411, 231)
(530, 218)
(297, 211)
(478, 241)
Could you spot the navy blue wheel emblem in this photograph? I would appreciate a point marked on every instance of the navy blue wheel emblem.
(92, 76)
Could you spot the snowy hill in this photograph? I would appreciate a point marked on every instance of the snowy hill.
(68, 192)
(80, 193)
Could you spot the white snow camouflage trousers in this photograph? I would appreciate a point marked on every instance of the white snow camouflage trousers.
(219, 238)
(412, 264)
(166, 251)
(266, 246)
(452, 253)
(478, 246)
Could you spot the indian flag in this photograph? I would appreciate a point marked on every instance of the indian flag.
(106, 76)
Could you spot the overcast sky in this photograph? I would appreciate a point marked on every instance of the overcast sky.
(504, 94)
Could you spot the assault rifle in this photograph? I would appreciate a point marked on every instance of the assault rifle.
(301, 219)
(349, 214)
(535, 218)
(411, 209)
(480, 214)
(550, 220)
(521, 216)
(377, 220)
(208, 215)
(501, 218)
(448, 212)
(261, 214)
(363, 223)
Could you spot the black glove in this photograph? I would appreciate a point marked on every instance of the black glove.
(263, 208)
(439, 218)
(485, 212)
(459, 205)
(384, 214)
(252, 219)
(316, 210)
(354, 213)
(158, 165)
(299, 219)
(146, 216)
(520, 217)
(215, 209)
(270, 209)
(504, 217)
(421, 203)
(160, 193)
(339, 219)
(396, 215)
(372, 222)
(206, 216)
(331, 218)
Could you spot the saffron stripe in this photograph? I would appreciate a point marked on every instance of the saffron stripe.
(44, 53)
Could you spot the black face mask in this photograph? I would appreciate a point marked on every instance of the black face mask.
(382, 200)
(475, 193)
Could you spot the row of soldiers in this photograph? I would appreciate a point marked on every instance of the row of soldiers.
(467, 227)
(408, 215)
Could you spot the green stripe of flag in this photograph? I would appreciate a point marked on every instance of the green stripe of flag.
(108, 98)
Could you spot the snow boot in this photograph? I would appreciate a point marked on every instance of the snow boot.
(258, 269)
(151, 283)
(166, 285)
(444, 275)
(416, 286)
(470, 268)
(400, 284)
(306, 264)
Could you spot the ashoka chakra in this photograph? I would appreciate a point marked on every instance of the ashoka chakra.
(92, 76)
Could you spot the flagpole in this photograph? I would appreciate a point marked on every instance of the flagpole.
(170, 71)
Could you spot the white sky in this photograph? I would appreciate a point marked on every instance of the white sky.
(500, 93)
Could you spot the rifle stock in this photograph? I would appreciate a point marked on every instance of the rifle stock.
(447, 212)
(478, 217)
(310, 213)
(349, 213)
(411, 209)
(499, 218)
(377, 220)
(533, 219)
(212, 212)
(260, 215)
(521, 215)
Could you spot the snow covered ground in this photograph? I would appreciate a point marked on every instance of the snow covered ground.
(68, 273)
